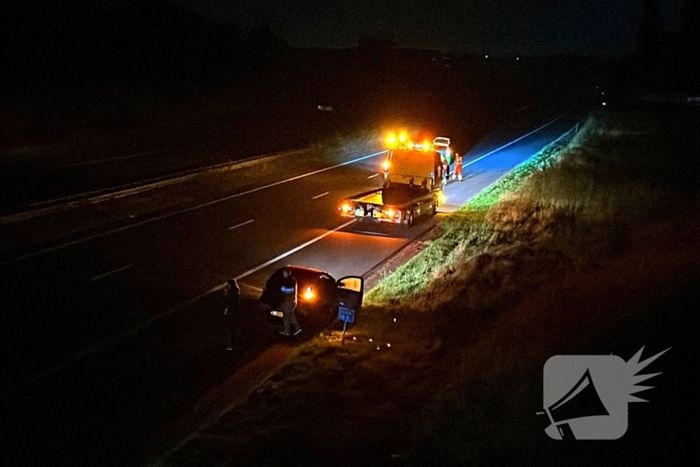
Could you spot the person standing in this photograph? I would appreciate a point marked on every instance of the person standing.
(288, 303)
(458, 167)
(232, 306)
(445, 169)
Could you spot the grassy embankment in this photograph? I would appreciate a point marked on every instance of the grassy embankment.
(447, 354)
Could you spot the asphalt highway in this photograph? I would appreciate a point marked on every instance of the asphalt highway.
(110, 318)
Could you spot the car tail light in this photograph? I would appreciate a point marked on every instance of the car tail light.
(309, 294)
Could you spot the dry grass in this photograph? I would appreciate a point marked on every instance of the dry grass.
(582, 197)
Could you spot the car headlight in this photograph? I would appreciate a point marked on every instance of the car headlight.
(308, 294)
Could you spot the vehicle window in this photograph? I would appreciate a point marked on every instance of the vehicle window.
(327, 284)
(352, 283)
(275, 281)
(303, 275)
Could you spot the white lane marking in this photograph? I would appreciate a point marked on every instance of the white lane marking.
(118, 337)
(515, 141)
(292, 251)
(192, 208)
(250, 288)
(241, 224)
(102, 276)
(372, 176)
(321, 195)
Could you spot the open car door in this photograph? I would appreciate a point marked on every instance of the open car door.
(350, 292)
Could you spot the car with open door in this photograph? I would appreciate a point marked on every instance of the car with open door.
(319, 294)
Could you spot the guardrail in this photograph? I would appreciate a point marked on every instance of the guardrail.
(98, 196)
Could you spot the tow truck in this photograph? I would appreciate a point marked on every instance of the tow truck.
(440, 144)
(413, 183)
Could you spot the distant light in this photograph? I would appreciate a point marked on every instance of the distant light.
(517, 59)
(486, 56)
(604, 104)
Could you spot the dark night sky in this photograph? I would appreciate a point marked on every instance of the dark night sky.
(532, 27)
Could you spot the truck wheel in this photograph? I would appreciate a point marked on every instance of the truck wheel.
(433, 209)
(409, 218)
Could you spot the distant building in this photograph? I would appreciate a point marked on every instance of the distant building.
(263, 48)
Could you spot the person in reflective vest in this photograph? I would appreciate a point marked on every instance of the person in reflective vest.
(458, 168)
(288, 303)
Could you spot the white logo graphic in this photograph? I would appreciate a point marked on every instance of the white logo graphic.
(586, 396)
